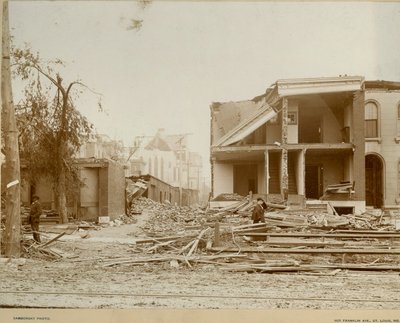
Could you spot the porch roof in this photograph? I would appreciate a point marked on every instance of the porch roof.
(254, 121)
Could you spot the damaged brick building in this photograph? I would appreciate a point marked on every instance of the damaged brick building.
(295, 140)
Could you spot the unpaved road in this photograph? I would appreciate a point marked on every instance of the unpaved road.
(83, 282)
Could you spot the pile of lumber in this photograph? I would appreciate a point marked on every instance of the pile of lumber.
(302, 240)
(243, 207)
(309, 249)
(32, 249)
(341, 191)
(186, 249)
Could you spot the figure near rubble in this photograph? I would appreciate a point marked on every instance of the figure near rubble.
(35, 213)
(258, 212)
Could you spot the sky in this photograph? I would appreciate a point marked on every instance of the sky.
(189, 54)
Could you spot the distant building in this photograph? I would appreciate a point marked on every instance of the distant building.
(167, 158)
(103, 182)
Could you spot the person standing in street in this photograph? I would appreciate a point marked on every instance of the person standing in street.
(35, 213)
(258, 212)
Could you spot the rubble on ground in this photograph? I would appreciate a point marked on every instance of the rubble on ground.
(291, 239)
(166, 217)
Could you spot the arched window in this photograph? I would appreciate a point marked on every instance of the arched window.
(371, 120)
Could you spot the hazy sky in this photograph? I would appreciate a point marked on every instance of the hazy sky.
(189, 54)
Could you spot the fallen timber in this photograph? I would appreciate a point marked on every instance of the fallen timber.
(322, 235)
(299, 268)
(371, 251)
(139, 261)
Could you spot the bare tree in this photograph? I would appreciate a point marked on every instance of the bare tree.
(52, 129)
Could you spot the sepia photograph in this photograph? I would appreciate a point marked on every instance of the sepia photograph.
(225, 160)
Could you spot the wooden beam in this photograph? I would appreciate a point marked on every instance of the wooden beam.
(303, 243)
(372, 251)
(367, 231)
(266, 172)
(284, 156)
(321, 235)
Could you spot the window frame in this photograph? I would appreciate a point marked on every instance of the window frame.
(378, 121)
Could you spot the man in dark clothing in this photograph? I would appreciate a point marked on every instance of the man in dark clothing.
(36, 212)
(258, 212)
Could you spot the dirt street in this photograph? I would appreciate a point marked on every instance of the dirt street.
(80, 280)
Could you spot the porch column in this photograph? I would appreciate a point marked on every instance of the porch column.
(301, 185)
(212, 162)
(284, 157)
(266, 172)
(358, 141)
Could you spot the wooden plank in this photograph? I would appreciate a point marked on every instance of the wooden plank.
(247, 226)
(267, 269)
(357, 267)
(322, 235)
(52, 240)
(194, 247)
(312, 251)
(158, 239)
(303, 243)
(367, 231)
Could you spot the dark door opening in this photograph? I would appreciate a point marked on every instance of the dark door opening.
(314, 180)
(245, 179)
(373, 181)
(310, 129)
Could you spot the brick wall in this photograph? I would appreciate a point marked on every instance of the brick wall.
(115, 189)
(388, 148)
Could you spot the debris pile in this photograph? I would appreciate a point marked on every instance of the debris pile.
(133, 190)
(291, 240)
(32, 249)
(167, 218)
(307, 239)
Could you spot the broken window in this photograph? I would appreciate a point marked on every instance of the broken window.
(371, 120)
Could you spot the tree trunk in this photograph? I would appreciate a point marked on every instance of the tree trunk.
(62, 198)
(12, 171)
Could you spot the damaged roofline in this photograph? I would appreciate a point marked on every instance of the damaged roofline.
(290, 87)
(261, 116)
(285, 88)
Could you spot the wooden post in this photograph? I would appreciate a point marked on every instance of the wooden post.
(216, 235)
(12, 172)
(284, 159)
(1, 100)
(266, 172)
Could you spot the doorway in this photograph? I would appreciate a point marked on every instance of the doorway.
(373, 181)
(245, 179)
(314, 180)
(310, 127)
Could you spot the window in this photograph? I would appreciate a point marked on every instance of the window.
(371, 120)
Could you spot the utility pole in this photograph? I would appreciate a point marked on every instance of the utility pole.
(180, 177)
(1, 100)
(188, 178)
(10, 131)
(182, 136)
